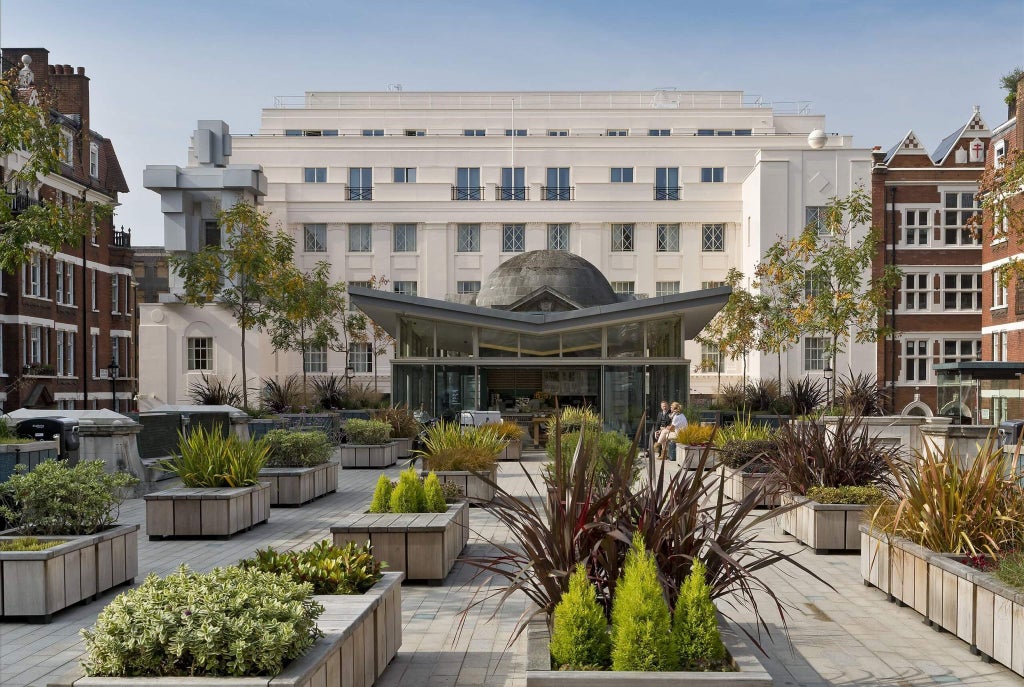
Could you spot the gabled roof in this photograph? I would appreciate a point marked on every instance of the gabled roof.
(909, 143)
(974, 128)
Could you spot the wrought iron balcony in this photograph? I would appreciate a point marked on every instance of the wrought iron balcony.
(122, 238)
(19, 202)
(511, 193)
(360, 193)
(667, 193)
(558, 192)
(467, 192)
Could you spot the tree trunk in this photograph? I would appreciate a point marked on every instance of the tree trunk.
(245, 380)
(305, 389)
(780, 370)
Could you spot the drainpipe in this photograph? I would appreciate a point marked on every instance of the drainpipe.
(892, 305)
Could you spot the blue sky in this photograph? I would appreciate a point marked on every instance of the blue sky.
(875, 68)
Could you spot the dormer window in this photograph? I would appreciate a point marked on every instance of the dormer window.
(67, 147)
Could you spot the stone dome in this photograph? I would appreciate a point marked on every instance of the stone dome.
(560, 271)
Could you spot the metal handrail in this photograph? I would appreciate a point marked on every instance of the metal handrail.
(511, 193)
(667, 193)
(467, 192)
(558, 192)
(360, 192)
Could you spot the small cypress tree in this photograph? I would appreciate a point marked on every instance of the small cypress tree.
(381, 502)
(434, 495)
(695, 627)
(641, 620)
(579, 636)
(408, 496)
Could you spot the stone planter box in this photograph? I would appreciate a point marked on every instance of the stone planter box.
(738, 484)
(472, 486)
(206, 512)
(513, 450)
(822, 526)
(368, 455)
(422, 545)
(362, 633)
(689, 457)
(403, 448)
(40, 583)
(296, 486)
(749, 670)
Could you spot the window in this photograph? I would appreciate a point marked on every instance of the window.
(60, 281)
(959, 350)
(415, 132)
(92, 288)
(622, 238)
(659, 132)
(705, 132)
(360, 238)
(314, 238)
(360, 357)
(916, 360)
(373, 132)
(200, 353)
(815, 353)
(473, 132)
(558, 132)
(515, 132)
(618, 132)
(467, 180)
(293, 132)
(315, 359)
(37, 349)
(915, 291)
(94, 160)
(360, 183)
(1000, 346)
(1000, 154)
(558, 187)
(314, 175)
(816, 216)
(624, 287)
(513, 238)
(723, 132)
(33, 275)
(60, 353)
(958, 207)
(65, 353)
(961, 291)
(468, 238)
(710, 358)
(622, 175)
(211, 233)
(405, 175)
(404, 238)
(95, 355)
(67, 147)
(666, 183)
(405, 287)
(329, 132)
(815, 284)
(1000, 295)
(513, 186)
(115, 293)
(363, 284)
(712, 238)
(744, 132)
(467, 287)
(115, 354)
(712, 284)
(666, 288)
(916, 227)
(558, 237)
(668, 238)
(712, 175)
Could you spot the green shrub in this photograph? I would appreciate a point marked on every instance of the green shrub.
(55, 499)
(229, 622)
(367, 432)
(579, 633)
(738, 453)
(448, 447)
(695, 633)
(408, 495)
(870, 495)
(381, 502)
(641, 621)
(207, 458)
(349, 569)
(288, 449)
(29, 544)
(434, 497)
(610, 448)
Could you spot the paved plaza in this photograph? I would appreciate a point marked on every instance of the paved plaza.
(846, 636)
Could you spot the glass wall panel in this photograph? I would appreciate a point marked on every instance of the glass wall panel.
(622, 403)
(582, 344)
(416, 338)
(539, 346)
(664, 338)
(626, 340)
(668, 383)
(455, 390)
(454, 340)
(496, 343)
(413, 385)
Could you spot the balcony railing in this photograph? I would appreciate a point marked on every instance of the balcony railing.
(511, 193)
(122, 238)
(19, 202)
(360, 193)
(467, 192)
(558, 192)
(667, 193)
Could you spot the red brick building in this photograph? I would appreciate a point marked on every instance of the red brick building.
(65, 317)
(922, 202)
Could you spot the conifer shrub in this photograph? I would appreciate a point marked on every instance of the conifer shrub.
(434, 497)
(641, 621)
(408, 495)
(579, 636)
(381, 502)
(698, 643)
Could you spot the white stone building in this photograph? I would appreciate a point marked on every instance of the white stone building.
(663, 191)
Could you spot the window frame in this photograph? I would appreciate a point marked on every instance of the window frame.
(712, 175)
(915, 290)
(622, 173)
(467, 238)
(400, 237)
(403, 175)
(360, 237)
(623, 235)
(314, 237)
(360, 357)
(555, 240)
(314, 175)
(916, 355)
(667, 237)
(708, 242)
(819, 350)
(192, 357)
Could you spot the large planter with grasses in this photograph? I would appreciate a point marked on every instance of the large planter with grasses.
(465, 456)
(513, 450)
(404, 428)
(475, 486)
(298, 467)
(738, 484)
(823, 527)
(369, 445)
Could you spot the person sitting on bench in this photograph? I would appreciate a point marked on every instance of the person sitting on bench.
(678, 421)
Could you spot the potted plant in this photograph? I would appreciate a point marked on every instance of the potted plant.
(221, 493)
(404, 427)
(368, 445)
(691, 441)
(299, 467)
(64, 544)
(512, 435)
(464, 456)
(832, 475)
(741, 447)
(414, 525)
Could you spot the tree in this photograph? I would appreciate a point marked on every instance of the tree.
(1002, 210)
(27, 130)
(733, 331)
(380, 340)
(304, 311)
(240, 272)
(776, 293)
(1009, 82)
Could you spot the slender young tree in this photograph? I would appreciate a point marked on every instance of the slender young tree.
(733, 331)
(379, 339)
(240, 273)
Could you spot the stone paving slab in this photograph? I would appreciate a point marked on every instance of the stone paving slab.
(847, 636)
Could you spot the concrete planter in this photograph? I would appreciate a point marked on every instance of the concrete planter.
(513, 450)
(822, 526)
(362, 633)
(369, 455)
(40, 583)
(403, 448)
(296, 486)
(472, 486)
(738, 484)
(206, 512)
(422, 545)
(749, 672)
(689, 457)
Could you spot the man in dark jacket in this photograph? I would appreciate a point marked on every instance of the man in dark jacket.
(663, 420)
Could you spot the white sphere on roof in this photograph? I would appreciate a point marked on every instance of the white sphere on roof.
(817, 139)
